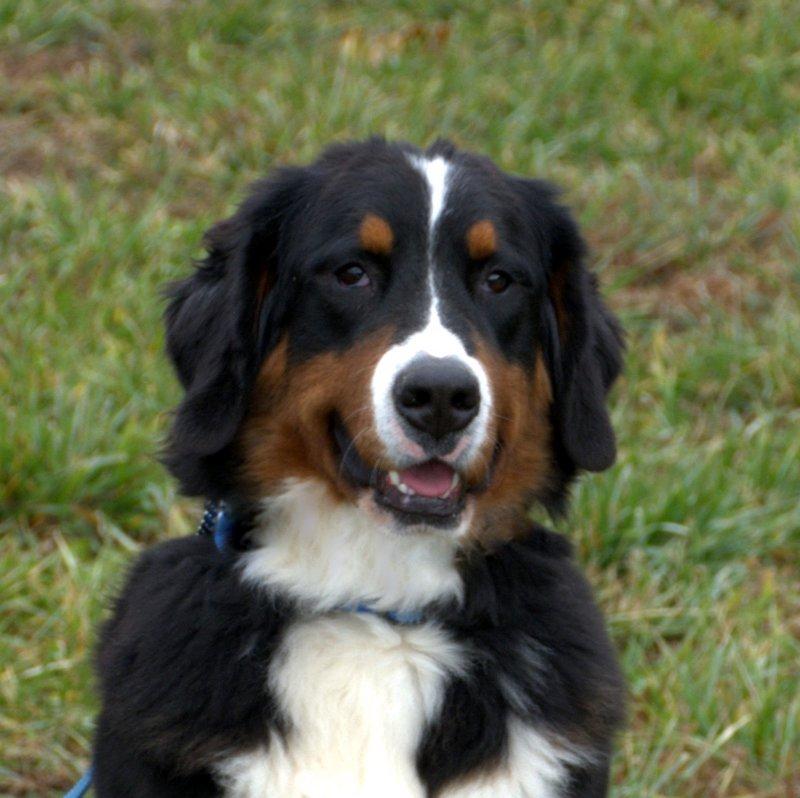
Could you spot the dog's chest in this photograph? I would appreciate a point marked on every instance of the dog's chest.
(357, 692)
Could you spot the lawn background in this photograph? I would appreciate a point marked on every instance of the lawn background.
(126, 128)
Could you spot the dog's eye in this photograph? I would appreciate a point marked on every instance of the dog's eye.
(352, 276)
(497, 281)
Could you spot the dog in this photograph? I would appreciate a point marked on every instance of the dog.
(388, 356)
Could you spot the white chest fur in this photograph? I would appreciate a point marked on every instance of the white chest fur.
(357, 692)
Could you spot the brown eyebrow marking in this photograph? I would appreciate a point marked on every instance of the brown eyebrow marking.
(375, 235)
(481, 240)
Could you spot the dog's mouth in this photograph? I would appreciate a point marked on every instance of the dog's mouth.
(432, 492)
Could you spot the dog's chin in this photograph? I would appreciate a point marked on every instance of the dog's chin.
(404, 523)
(424, 497)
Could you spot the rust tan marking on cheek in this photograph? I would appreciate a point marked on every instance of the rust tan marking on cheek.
(286, 433)
(481, 240)
(523, 470)
(375, 235)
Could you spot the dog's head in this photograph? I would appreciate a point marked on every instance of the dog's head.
(415, 331)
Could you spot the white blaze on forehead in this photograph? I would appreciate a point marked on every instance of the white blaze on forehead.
(435, 171)
(434, 339)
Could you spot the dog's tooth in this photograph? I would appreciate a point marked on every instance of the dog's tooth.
(454, 483)
(402, 488)
(394, 478)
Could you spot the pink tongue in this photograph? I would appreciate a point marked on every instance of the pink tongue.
(428, 479)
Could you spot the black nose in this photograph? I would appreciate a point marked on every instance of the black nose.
(436, 395)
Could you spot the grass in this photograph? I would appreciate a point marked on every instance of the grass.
(126, 128)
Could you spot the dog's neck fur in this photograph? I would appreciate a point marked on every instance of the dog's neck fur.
(329, 555)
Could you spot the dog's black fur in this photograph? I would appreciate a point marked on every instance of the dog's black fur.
(183, 660)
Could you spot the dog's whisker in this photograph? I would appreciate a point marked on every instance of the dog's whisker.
(351, 445)
(363, 409)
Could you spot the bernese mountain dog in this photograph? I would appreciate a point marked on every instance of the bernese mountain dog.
(388, 357)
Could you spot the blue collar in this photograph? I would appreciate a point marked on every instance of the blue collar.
(218, 523)
(407, 618)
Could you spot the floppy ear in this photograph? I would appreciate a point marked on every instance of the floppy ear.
(583, 341)
(214, 326)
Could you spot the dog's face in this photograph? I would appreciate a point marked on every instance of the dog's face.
(414, 330)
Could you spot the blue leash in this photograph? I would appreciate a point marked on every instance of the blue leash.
(82, 786)
(218, 523)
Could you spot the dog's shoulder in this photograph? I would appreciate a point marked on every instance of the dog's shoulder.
(542, 675)
(183, 630)
(170, 583)
(534, 591)
(532, 575)
(531, 611)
